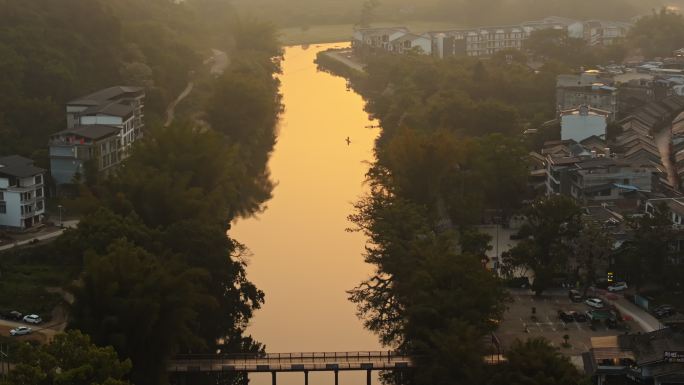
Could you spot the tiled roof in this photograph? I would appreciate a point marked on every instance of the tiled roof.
(18, 166)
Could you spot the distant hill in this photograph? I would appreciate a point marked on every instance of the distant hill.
(297, 13)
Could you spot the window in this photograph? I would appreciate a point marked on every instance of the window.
(2, 196)
(39, 179)
(39, 192)
(3, 208)
(39, 205)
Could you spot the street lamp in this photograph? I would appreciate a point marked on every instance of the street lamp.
(60, 215)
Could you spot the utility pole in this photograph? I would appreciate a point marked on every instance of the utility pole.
(60, 215)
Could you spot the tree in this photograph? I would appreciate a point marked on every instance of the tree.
(535, 362)
(143, 306)
(425, 298)
(552, 223)
(644, 258)
(70, 358)
(179, 172)
(659, 34)
(591, 253)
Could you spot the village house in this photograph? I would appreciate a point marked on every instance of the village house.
(71, 149)
(410, 42)
(649, 358)
(586, 89)
(101, 127)
(119, 106)
(22, 193)
(376, 38)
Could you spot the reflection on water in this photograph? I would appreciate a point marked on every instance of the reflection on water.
(302, 257)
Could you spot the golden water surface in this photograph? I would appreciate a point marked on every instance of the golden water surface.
(301, 255)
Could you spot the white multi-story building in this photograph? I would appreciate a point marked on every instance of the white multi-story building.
(601, 32)
(22, 195)
(484, 41)
(118, 106)
(377, 38)
(411, 42)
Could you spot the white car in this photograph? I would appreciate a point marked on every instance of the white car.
(32, 319)
(617, 286)
(20, 331)
(595, 303)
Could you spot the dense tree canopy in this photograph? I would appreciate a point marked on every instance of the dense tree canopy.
(51, 52)
(70, 358)
(658, 34)
(552, 223)
(645, 257)
(427, 297)
(461, 95)
(535, 362)
(555, 44)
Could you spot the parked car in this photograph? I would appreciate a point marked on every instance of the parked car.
(566, 316)
(574, 295)
(32, 319)
(580, 317)
(20, 331)
(617, 286)
(595, 303)
(663, 311)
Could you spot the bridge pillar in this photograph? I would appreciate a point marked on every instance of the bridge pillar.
(368, 377)
(274, 380)
(337, 377)
(306, 377)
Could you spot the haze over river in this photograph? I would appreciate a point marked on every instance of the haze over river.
(301, 255)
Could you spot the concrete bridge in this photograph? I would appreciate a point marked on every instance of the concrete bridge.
(274, 363)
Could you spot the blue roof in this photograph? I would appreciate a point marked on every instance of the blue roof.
(626, 187)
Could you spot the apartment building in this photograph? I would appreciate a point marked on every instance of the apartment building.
(22, 193)
(377, 38)
(590, 172)
(71, 149)
(484, 41)
(586, 89)
(602, 32)
(119, 106)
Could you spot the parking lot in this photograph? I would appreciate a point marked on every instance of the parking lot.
(518, 322)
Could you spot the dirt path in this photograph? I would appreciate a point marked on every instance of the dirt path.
(171, 111)
(663, 139)
(220, 62)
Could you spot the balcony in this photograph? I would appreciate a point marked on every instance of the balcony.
(21, 189)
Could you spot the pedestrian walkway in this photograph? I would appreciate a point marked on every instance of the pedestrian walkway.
(42, 236)
(647, 322)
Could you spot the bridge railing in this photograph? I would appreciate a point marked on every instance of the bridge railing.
(277, 357)
(278, 362)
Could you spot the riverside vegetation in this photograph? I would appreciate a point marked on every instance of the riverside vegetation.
(451, 152)
(150, 267)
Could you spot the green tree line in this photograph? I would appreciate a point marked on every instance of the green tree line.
(157, 273)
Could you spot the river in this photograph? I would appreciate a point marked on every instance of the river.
(302, 257)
